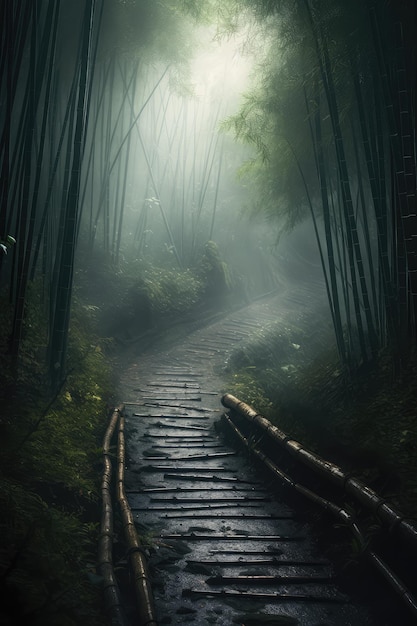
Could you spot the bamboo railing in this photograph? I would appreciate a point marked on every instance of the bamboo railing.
(111, 593)
(367, 497)
(137, 558)
(364, 494)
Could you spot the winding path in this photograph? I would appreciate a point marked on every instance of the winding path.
(226, 550)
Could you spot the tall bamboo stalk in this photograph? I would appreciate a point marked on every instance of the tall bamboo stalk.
(337, 319)
(47, 51)
(59, 334)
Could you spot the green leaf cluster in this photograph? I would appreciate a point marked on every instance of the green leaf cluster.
(170, 290)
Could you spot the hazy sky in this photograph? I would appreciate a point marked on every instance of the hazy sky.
(220, 67)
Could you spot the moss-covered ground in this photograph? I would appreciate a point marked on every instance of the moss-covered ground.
(49, 477)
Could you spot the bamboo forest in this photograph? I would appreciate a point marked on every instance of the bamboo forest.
(164, 165)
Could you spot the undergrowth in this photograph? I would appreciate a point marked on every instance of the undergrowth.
(364, 422)
(49, 475)
(140, 295)
(51, 456)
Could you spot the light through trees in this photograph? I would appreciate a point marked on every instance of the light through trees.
(114, 146)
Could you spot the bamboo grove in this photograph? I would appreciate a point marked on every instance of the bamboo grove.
(94, 96)
(88, 89)
(333, 120)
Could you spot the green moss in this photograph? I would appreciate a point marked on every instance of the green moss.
(49, 477)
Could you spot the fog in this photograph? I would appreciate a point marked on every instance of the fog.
(166, 187)
(171, 166)
(163, 138)
(170, 181)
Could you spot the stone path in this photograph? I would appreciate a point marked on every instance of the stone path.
(225, 549)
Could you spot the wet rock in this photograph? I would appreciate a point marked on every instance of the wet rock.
(154, 453)
(164, 556)
(198, 568)
(236, 603)
(186, 610)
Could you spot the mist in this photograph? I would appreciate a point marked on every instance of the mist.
(198, 198)
(164, 189)
(178, 157)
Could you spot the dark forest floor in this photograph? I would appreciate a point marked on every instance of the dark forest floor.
(365, 421)
(370, 425)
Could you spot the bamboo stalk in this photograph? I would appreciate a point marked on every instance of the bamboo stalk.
(284, 579)
(111, 593)
(137, 559)
(272, 596)
(324, 190)
(342, 514)
(387, 515)
(65, 264)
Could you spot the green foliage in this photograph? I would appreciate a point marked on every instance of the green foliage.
(316, 118)
(273, 118)
(145, 294)
(49, 482)
(27, 379)
(264, 366)
(170, 291)
(199, 11)
(215, 272)
(364, 422)
(246, 386)
(46, 555)
(59, 446)
(271, 346)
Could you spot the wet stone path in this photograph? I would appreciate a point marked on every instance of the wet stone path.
(225, 549)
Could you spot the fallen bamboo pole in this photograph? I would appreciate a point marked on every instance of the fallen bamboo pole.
(384, 511)
(340, 513)
(137, 558)
(112, 601)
